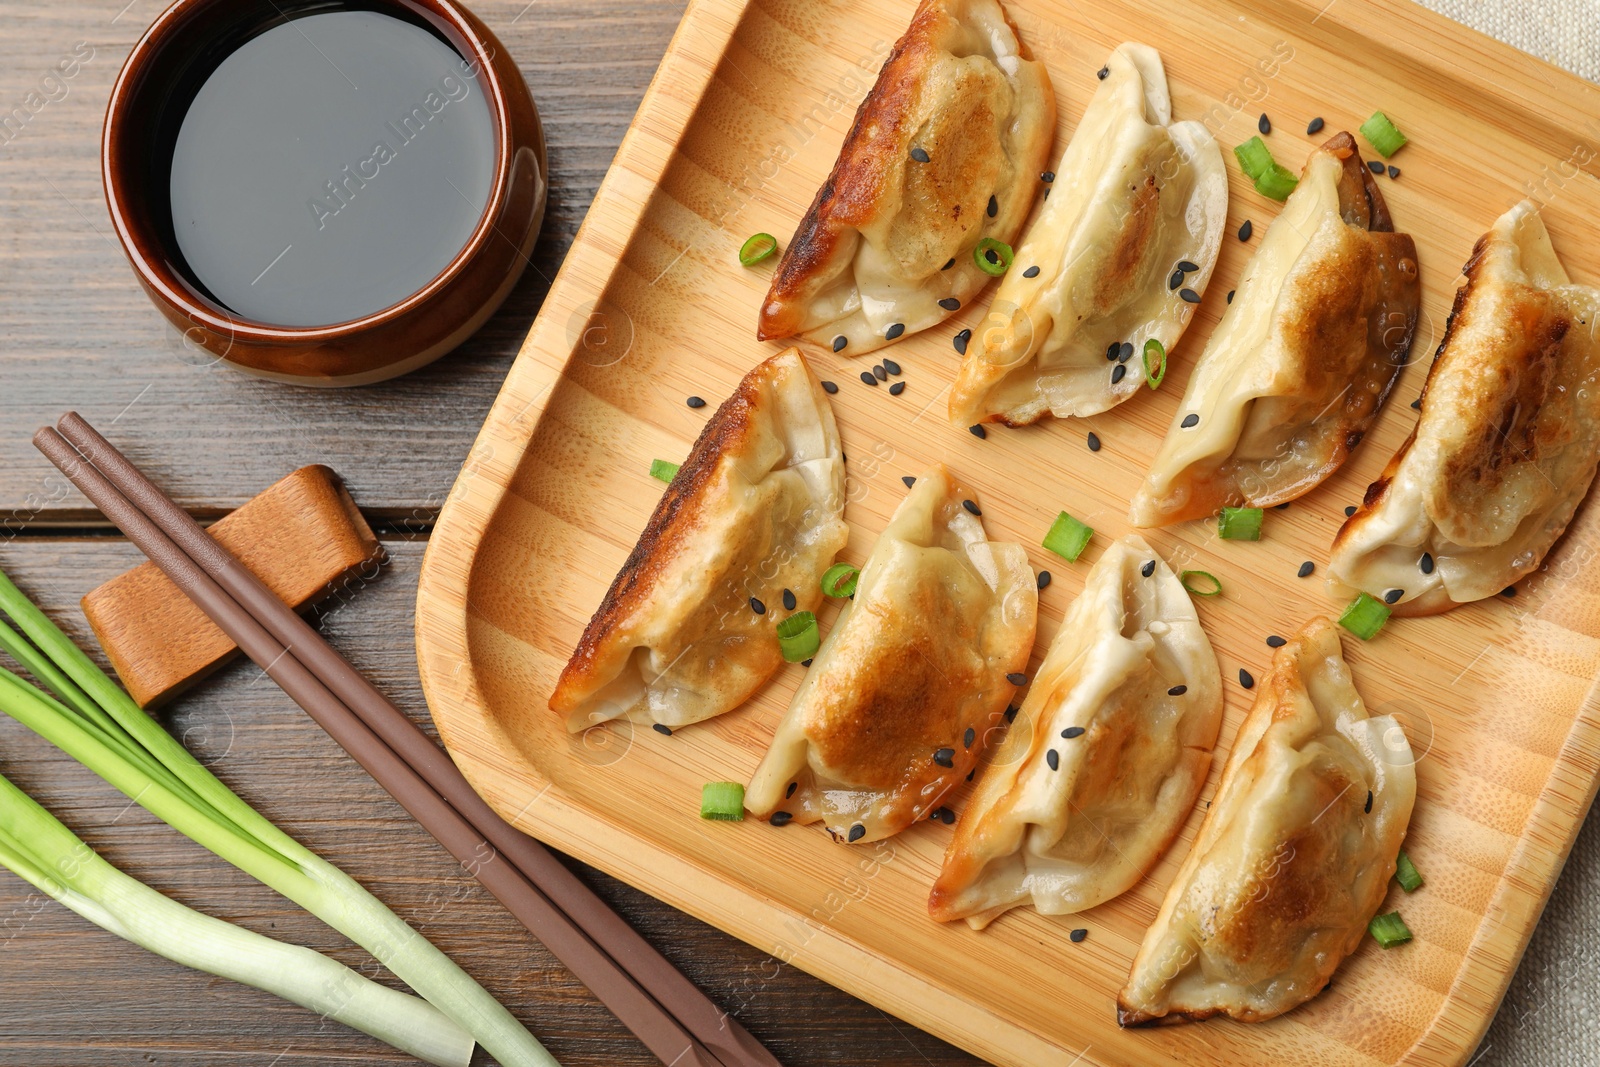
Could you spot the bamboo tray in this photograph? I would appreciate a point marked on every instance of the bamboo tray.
(739, 128)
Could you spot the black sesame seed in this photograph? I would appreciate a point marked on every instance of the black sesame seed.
(1416, 405)
(1119, 372)
(947, 816)
(880, 372)
(970, 506)
(992, 256)
(950, 264)
(897, 388)
(1072, 731)
(1103, 73)
(1078, 935)
(1315, 126)
(662, 728)
(830, 387)
(1375, 167)
(1017, 678)
(806, 662)
(994, 207)
(1048, 176)
(909, 480)
(892, 367)
(970, 736)
(1230, 296)
(695, 402)
(1392, 596)
(961, 341)
(978, 431)
(1043, 579)
(895, 331)
(1054, 759)
(1276, 642)
(1394, 171)
(757, 606)
(790, 791)
(919, 154)
(788, 600)
(1189, 296)
(1112, 349)
(1175, 280)
(1426, 563)
(869, 378)
(1264, 124)
(1305, 569)
(1177, 691)
(1245, 679)
(1187, 267)
(857, 832)
(945, 757)
(1094, 441)
(950, 303)
(1190, 421)
(1124, 351)
(1368, 808)
(1149, 568)
(839, 343)
(1011, 713)
(1246, 228)
(782, 818)
(1509, 590)
(1349, 510)
(1031, 272)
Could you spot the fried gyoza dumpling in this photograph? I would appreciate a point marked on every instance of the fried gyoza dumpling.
(1507, 442)
(1303, 357)
(1135, 196)
(946, 150)
(895, 708)
(1103, 764)
(757, 508)
(1294, 856)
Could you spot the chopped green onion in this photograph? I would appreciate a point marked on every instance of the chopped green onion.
(840, 580)
(993, 257)
(798, 639)
(1255, 158)
(1277, 183)
(1152, 376)
(1365, 616)
(1406, 873)
(1068, 537)
(131, 751)
(663, 471)
(722, 801)
(1239, 524)
(1383, 134)
(757, 248)
(1389, 930)
(1186, 578)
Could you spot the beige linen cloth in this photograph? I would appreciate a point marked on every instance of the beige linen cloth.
(1550, 1017)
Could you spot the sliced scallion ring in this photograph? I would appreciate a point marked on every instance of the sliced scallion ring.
(1254, 157)
(1239, 524)
(1068, 537)
(840, 580)
(661, 470)
(1389, 930)
(1154, 375)
(1190, 578)
(759, 247)
(1406, 873)
(1365, 616)
(722, 801)
(1277, 182)
(1383, 135)
(798, 638)
(993, 257)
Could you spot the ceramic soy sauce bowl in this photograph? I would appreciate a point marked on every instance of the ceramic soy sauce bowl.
(298, 203)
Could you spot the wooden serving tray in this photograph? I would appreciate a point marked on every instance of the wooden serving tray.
(740, 127)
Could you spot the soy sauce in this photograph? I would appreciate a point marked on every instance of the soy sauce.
(330, 167)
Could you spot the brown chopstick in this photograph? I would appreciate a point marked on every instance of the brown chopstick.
(668, 1013)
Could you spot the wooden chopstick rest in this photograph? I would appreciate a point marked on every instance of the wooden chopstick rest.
(302, 536)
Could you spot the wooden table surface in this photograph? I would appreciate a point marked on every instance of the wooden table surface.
(76, 332)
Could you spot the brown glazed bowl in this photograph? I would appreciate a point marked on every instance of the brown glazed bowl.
(148, 103)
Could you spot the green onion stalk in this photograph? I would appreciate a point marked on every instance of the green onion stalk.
(44, 853)
(92, 720)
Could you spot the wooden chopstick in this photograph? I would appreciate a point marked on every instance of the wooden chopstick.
(572, 922)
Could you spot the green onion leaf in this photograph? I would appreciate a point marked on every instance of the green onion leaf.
(1383, 134)
(757, 248)
(722, 801)
(1389, 930)
(1239, 524)
(993, 257)
(1068, 537)
(1365, 616)
(1154, 376)
(1277, 182)
(1406, 873)
(661, 470)
(798, 638)
(840, 580)
(1196, 581)
(1255, 158)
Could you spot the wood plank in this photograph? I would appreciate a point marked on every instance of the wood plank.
(75, 996)
(79, 333)
(1497, 695)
